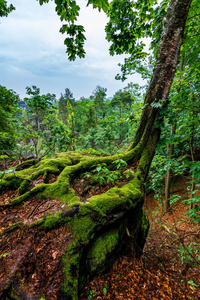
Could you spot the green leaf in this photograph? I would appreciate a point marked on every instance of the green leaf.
(4, 254)
(191, 282)
(98, 169)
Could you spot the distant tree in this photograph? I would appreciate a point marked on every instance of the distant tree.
(64, 102)
(99, 96)
(8, 111)
(38, 104)
(66, 105)
(33, 119)
(121, 103)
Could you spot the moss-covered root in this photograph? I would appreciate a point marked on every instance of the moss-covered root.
(66, 165)
(100, 239)
(22, 177)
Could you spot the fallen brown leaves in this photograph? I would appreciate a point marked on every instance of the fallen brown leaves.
(34, 260)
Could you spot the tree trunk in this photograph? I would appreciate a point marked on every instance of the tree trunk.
(89, 235)
(193, 159)
(95, 113)
(168, 173)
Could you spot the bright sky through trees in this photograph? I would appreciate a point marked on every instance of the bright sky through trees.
(32, 53)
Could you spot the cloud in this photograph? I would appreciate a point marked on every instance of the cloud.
(33, 53)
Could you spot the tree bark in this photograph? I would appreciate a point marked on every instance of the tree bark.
(164, 71)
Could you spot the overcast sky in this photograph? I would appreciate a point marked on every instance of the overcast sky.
(32, 52)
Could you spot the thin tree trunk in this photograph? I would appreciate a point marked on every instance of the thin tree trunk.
(168, 173)
(193, 159)
(95, 113)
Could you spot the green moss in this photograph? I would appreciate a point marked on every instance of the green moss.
(71, 262)
(83, 225)
(20, 199)
(24, 186)
(13, 294)
(102, 247)
(93, 215)
(26, 164)
(45, 176)
(145, 224)
(61, 190)
(92, 151)
(125, 197)
(52, 221)
(37, 223)
(36, 190)
(10, 228)
(10, 182)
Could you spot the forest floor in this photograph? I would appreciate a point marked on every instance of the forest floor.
(161, 273)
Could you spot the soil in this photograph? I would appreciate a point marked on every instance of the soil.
(161, 273)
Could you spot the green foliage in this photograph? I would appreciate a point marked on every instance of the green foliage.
(103, 175)
(90, 294)
(5, 9)
(129, 173)
(120, 163)
(100, 4)
(4, 254)
(68, 12)
(190, 254)
(129, 23)
(8, 112)
(37, 123)
(107, 125)
(105, 291)
(191, 282)
(194, 212)
(48, 126)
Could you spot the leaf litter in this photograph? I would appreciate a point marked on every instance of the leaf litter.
(37, 254)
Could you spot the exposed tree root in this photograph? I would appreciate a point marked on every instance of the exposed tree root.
(99, 225)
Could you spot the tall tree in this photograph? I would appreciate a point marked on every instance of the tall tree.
(8, 110)
(121, 102)
(104, 226)
(64, 102)
(99, 96)
(32, 120)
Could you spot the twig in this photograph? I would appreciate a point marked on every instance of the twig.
(168, 230)
(116, 144)
(37, 205)
(182, 237)
(47, 208)
(22, 178)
